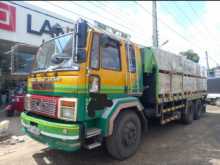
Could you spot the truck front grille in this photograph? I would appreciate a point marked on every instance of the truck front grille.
(44, 105)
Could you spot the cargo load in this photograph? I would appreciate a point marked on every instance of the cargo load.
(175, 73)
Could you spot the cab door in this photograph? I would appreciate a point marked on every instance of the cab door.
(131, 73)
(106, 66)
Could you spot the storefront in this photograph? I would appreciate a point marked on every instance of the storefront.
(23, 27)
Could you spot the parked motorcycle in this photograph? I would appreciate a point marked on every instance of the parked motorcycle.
(16, 104)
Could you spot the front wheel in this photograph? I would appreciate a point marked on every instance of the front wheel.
(126, 136)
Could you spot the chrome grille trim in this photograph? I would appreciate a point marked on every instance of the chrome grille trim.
(44, 105)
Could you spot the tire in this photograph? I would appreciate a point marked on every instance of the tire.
(187, 115)
(203, 109)
(197, 110)
(126, 136)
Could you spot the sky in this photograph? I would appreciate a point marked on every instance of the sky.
(185, 24)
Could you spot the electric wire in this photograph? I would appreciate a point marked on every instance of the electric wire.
(190, 21)
(116, 13)
(111, 20)
(176, 32)
(122, 25)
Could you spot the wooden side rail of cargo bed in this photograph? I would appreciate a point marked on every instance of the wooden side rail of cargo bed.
(168, 97)
(183, 74)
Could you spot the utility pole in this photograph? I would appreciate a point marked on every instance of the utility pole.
(207, 60)
(154, 21)
(207, 63)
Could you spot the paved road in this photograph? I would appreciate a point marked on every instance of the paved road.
(198, 143)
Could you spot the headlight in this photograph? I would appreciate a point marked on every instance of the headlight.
(27, 102)
(94, 83)
(67, 112)
(67, 109)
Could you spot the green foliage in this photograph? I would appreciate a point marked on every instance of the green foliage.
(211, 72)
(191, 55)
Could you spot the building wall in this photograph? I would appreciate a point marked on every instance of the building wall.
(25, 23)
(217, 72)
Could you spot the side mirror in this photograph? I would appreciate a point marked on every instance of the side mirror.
(81, 55)
(81, 37)
(82, 34)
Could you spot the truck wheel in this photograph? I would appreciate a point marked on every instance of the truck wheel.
(187, 116)
(197, 110)
(126, 136)
(203, 108)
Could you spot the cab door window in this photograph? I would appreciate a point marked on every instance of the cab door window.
(131, 58)
(110, 55)
(94, 57)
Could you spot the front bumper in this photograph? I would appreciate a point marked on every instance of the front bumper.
(56, 135)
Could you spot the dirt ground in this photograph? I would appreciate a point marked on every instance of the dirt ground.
(173, 144)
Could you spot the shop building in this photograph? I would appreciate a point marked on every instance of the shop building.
(23, 27)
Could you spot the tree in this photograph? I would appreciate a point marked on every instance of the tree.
(191, 55)
(211, 72)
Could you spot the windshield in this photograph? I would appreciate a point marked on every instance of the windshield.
(56, 54)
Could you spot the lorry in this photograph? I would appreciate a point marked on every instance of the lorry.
(94, 87)
(213, 91)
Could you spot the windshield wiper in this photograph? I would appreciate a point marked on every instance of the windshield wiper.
(37, 69)
(59, 58)
(65, 65)
(62, 57)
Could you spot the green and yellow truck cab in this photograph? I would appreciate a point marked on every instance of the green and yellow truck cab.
(94, 86)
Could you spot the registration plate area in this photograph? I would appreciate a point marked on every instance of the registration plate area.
(32, 128)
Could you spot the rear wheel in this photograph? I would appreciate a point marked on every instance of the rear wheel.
(187, 115)
(197, 110)
(203, 108)
(126, 136)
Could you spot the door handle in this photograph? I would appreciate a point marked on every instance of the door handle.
(126, 88)
(88, 70)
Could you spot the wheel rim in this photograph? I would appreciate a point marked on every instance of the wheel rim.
(129, 134)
